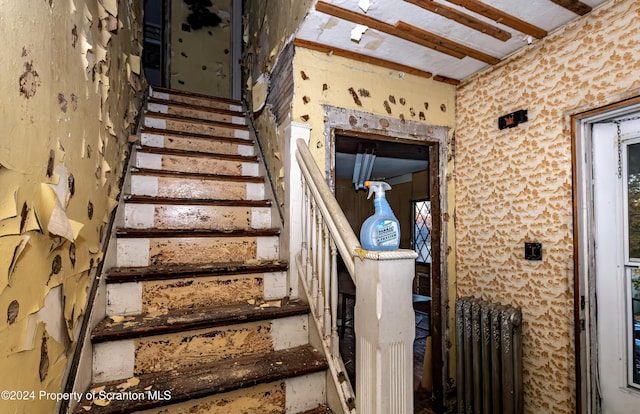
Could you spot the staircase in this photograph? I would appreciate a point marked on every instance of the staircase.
(198, 314)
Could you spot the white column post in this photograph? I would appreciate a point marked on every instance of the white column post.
(291, 239)
(385, 330)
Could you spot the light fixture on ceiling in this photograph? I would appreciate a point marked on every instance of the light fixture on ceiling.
(362, 167)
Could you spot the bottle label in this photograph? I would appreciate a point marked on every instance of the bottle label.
(387, 233)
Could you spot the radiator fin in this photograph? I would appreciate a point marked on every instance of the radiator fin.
(489, 353)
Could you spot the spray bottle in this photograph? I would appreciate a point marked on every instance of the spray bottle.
(382, 230)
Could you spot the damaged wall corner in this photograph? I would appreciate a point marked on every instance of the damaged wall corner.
(66, 94)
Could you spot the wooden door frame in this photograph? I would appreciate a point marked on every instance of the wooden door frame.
(352, 123)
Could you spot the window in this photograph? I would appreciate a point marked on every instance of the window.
(422, 230)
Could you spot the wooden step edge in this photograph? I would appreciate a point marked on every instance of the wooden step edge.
(187, 153)
(194, 120)
(191, 106)
(205, 380)
(170, 91)
(165, 233)
(194, 135)
(159, 272)
(321, 409)
(143, 199)
(129, 327)
(196, 176)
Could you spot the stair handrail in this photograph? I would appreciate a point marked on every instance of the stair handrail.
(345, 238)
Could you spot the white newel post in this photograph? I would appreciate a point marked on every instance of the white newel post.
(292, 232)
(385, 330)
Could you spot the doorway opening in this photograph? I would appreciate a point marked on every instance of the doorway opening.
(411, 169)
(607, 271)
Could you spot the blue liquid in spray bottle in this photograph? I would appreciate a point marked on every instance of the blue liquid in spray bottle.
(382, 230)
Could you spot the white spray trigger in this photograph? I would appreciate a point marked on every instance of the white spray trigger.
(378, 187)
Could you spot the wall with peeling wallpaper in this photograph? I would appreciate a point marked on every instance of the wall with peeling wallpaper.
(201, 56)
(69, 72)
(515, 185)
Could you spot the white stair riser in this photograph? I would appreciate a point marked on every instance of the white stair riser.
(191, 348)
(151, 121)
(195, 113)
(160, 296)
(194, 250)
(194, 188)
(210, 145)
(203, 165)
(165, 216)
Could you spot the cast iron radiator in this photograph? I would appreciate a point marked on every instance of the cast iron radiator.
(489, 351)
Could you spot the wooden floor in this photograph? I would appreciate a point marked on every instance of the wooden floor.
(422, 398)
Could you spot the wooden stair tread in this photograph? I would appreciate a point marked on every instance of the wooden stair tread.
(194, 107)
(153, 233)
(127, 327)
(187, 153)
(194, 120)
(142, 199)
(205, 380)
(197, 175)
(196, 95)
(159, 272)
(183, 134)
(321, 409)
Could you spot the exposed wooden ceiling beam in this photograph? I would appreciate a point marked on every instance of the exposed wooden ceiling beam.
(307, 44)
(408, 32)
(430, 37)
(462, 18)
(358, 18)
(501, 17)
(575, 6)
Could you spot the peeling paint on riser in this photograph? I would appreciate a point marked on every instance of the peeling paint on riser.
(194, 250)
(146, 216)
(209, 145)
(190, 126)
(194, 100)
(203, 165)
(294, 395)
(191, 348)
(194, 188)
(161, 296)
(195, 113)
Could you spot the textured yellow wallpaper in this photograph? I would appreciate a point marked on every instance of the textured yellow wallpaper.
(515, 185)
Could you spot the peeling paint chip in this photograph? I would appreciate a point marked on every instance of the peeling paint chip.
(44, 360)
(304, 75)
(364, 93)
(74, 36)
(403, 101)
(72, 184)
(29, 81)
(52, 159)
(387, 107)
(305, 118)
(12, 311)
(62, 101)
(392, 99)
(306, 99)
(72, 254)
(355, 96)
(90, 210)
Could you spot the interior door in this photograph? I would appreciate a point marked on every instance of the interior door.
(616, 190)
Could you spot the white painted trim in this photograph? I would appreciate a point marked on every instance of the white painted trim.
(267, 248)
(113, 360)
(152, 140)
(260, 217)
(305, 392)
(241, 133)
(124, 298)
(250, 168)
(238, 120)
(151, 122)
(290, 332)
(255, 191)
(275, 285)
(146, 160)
(133, 252)
(246, 149)
(160, 108)
(144, 185)
(139, 216)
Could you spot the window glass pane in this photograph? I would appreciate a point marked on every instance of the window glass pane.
(633, 200)
(422, 230)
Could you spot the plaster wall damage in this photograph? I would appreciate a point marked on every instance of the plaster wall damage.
(70, 72)
(515, 185)
(201, 46)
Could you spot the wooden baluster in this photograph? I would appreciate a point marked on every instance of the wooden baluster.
(335, 340)
(327, 285)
